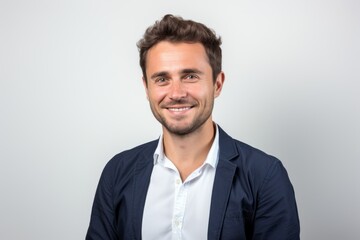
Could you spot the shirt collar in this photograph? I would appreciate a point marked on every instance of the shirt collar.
(211, 159)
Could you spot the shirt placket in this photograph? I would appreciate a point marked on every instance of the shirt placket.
(179, 208)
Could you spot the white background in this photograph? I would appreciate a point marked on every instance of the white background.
(72, 97)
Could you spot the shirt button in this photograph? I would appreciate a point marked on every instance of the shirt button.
(178, 223)
(178, 181)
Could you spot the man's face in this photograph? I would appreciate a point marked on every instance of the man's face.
(180, 87)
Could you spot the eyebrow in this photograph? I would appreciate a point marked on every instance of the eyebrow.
(159, 74)
(183, 71)
(191, 70)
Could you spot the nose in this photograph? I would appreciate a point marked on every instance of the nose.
(177, 90)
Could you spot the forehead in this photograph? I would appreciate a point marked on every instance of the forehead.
(170, 55)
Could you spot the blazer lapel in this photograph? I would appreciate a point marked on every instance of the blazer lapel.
(225, 172)
(142, 175)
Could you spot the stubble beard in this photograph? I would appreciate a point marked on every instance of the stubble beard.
(180, 129)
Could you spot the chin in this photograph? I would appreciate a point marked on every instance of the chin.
(181, 130)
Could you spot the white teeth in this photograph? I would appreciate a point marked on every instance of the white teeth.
(179, 109)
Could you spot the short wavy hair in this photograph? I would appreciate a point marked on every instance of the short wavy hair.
(175, 29)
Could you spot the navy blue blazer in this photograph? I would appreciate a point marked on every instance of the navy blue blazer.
(252, 195)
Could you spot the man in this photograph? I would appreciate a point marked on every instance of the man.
(194, 182)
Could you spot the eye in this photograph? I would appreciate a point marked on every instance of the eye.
(160, 80)
(191, 76)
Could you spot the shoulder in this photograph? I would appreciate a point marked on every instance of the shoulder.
(254, 157)
(242, 153)
(124, 162)
(251, 162)
(145, 149)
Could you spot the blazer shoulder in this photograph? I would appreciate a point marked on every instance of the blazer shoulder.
(254, 155)
(240, 152)
(133, 153)
(124, 162)
(250, 161)
(259, 166)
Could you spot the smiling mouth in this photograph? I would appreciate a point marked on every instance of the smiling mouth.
(179, 109)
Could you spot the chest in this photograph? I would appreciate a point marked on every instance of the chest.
(217, 207)
(175, 209)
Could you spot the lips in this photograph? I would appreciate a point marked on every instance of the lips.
(178, 109)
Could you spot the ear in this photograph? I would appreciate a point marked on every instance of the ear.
(146, 87)
(219, 82)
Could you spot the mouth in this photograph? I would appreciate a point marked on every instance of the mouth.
(178, 109)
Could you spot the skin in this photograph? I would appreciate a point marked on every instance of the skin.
(181, 94)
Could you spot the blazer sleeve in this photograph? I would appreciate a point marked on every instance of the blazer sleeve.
(276, 216)
(102, 222)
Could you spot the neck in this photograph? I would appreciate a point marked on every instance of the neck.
(188, 152)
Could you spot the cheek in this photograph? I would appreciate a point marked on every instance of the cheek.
(202, 93)
(156, 95)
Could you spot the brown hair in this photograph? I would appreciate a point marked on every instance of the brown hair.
(176, 29)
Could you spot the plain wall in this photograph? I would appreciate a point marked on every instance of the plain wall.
(71, 97)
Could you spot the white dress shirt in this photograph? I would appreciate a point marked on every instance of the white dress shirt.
(179, 210)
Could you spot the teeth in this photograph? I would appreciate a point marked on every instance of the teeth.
(179, 109)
